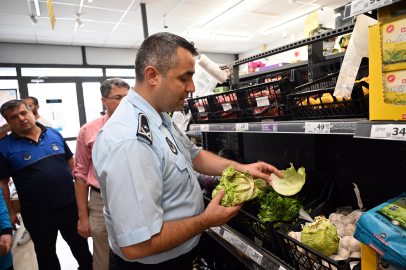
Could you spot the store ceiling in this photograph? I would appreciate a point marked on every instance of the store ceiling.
(118, 23)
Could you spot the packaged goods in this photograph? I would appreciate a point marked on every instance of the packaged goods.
(384, 230)
(394, 45)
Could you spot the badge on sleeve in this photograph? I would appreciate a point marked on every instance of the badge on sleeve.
(177, 129)
(172, 146)
(144, 129)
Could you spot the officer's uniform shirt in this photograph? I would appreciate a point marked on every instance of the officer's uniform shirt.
(39, 170)
(144, 167)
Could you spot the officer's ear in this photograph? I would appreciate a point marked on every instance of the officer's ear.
(151, 75)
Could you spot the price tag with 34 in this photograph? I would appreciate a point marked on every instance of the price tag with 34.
(397, 132)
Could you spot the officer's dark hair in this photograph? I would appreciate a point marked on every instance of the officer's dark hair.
(34, 100)
(11, 105)
(106, 86)
(160, 51)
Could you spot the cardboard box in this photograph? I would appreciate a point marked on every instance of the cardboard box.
(378, 109)
(392, 12)
(221, 89)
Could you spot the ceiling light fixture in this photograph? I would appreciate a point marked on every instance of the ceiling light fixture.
(221, 11)
(79, 21)
(33, 19)
(89, 1)
(280, 26)
(337, 15)
(37, 11)
(165, 23)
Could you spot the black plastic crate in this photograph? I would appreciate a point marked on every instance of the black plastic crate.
(266, 100)
(315, 100)
(274, 76)
(200, 109)
(317, 71)
(303, 257)
(227, 107)
(317, 192)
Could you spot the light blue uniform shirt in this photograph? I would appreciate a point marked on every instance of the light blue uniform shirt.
(144, 167)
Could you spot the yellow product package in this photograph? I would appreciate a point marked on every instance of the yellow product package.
(394, 45)
(395, 87)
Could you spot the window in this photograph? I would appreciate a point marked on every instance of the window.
(8, 72)
(62, 72)
(120, 72)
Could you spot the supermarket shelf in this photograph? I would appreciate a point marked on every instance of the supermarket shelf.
(288, 67)
(345, 127)
(194, 134)
(245, 250)
(307, 41)
(364, 128)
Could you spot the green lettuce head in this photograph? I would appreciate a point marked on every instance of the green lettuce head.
(238, 187)
(321, 236)
(291, 183)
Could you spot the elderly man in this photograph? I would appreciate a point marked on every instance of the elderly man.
(40, 162)
(145, 165)
(91, 218)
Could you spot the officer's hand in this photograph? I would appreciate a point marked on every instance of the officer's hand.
(14, 219)
(3, 249)
(7, 240)
(83, 227)
(217, 215)
(262, 170)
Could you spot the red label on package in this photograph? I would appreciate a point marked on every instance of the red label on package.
(376, 249)
(390, 28)
(403, 80)
(380, 238)
(404, 116)
(391, 78)
(403, 29)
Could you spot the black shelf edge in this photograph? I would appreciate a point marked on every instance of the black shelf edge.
(289, 66)
(303, 42)
(268, 261)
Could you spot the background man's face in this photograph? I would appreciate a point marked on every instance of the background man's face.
(20, 119)
(117, 93)
(33, 108)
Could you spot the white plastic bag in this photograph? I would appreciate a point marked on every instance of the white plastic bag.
(357, 49)
(181, 120)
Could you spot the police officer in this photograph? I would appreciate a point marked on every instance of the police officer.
(145, 165)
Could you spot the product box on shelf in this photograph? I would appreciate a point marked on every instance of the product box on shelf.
(200, 109)
(221, 89)
(384, 105)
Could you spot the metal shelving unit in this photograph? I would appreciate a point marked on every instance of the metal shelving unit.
(246, 251)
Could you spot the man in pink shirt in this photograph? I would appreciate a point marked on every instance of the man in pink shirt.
(91, 219)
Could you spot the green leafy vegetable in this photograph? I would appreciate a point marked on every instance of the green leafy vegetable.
(274, 206)
(291, 183)
(238, 187)
(321, 235)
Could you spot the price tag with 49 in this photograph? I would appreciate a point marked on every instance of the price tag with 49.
(317, 127)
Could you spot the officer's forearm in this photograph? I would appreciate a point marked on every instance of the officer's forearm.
(211, 164)
(173, 234)
(81, 191)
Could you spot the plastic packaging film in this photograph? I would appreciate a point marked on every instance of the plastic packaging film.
(357, 49)
(211, 68)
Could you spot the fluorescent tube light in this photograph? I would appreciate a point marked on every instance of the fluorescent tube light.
(229, 5)
(37, 11)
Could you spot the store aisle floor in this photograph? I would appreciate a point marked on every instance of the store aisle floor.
(25, 258)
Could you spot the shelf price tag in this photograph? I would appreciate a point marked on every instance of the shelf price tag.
(204, 127)
(216, 229)
(362, 6)
(226, 106)
(235, 241)
(262, 101)
(200, 109)
(317, 127)
(397, 132)
(254, 255)
(241, 127)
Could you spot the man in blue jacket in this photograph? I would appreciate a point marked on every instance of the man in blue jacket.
(6, 241)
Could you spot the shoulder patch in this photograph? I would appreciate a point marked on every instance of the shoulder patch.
(144, 129)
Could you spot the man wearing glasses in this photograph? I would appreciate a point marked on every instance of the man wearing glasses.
(91, 219)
